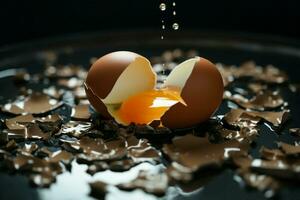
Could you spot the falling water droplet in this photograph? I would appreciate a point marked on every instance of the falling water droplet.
(163, 26)
(162, 37)
(175, 26)
(174, 12)
(174, 3)
(162, 7)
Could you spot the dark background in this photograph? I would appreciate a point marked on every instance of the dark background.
(28, 19)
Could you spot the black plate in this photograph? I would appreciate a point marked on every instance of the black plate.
(219, 47)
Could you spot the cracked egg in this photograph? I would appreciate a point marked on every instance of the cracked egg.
(122, 85)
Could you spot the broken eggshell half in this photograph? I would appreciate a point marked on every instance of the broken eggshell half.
(118, 76)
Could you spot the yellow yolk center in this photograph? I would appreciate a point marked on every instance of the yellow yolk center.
(148, 106)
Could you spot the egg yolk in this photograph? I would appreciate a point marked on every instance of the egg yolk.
(148, 106)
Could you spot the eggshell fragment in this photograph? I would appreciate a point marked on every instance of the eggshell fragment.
(202, 90)
(136, 78)
(116, 76)
(181, 73)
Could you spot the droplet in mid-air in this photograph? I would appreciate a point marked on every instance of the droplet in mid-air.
(174, 12)
(162, 37)
(163, 26)
(162, 7)
(175, 26)
(174, 3)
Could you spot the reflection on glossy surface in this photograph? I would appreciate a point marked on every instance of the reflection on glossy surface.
(232, 51)
(75, 185)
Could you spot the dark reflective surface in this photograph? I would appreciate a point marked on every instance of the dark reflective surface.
(228, 49)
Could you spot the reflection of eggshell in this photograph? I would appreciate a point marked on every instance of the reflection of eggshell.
(118, 76)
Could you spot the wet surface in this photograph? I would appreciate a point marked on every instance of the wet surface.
(59, 148)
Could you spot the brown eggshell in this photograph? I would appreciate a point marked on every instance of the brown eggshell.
(203, 93)
(103, 75)
(97, 104)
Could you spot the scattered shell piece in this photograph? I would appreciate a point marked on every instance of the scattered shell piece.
(35, 103)
(81, 112)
